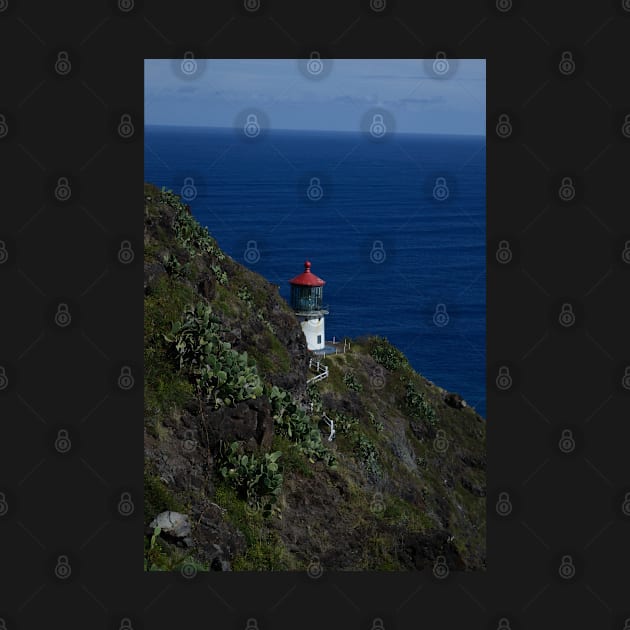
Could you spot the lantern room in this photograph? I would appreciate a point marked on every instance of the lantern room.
(306, 301)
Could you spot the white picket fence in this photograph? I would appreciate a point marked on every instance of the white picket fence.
(320, 368)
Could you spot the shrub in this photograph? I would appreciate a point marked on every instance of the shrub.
(256, 478)
(418, 405)
(295, 424)
(367, 454)
(351, 382)
(344, 424)
(375, 423)
(222, 375)
(387, 355)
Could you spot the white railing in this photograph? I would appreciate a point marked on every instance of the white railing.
(320, 368)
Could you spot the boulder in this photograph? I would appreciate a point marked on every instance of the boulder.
(175, 524)
(455, 401)
(250, 421)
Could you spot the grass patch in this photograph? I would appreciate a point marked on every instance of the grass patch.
(265, 551)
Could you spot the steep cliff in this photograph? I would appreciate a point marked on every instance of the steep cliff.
(237, 443)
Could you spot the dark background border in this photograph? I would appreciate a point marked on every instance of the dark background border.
(557, 436)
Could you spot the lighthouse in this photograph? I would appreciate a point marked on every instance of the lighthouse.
(306, 301)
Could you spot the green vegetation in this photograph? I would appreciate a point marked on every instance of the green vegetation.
(351, 382)
(220, 374)
(367, 454)
(256, 478)
(418, 405)
(294, 423)
(217, 334)
(265, 550)
(387, 355)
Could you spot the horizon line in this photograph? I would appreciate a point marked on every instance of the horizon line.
(408, 133)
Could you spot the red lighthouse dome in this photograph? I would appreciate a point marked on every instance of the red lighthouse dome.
(307, 278)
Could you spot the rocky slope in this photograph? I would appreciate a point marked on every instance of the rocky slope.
(236, 445)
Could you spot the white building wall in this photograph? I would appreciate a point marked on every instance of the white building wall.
(314, 328)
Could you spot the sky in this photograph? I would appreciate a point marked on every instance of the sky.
(347, 88)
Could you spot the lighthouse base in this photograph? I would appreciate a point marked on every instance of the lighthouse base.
(313, 329)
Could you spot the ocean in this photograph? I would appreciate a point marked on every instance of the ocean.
(396, 228)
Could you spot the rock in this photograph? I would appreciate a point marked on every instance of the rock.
(250, 421)
(152, 273)
(174, 524)
(218, 562)
(455, 401)
(207, 286)
(421, 551)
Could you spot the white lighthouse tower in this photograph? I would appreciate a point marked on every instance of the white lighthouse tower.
(306, 301)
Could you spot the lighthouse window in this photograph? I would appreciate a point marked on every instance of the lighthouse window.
(319, 338)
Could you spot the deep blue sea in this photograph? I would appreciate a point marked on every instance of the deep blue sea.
(398, 260)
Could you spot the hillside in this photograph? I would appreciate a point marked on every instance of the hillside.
(237, 443)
